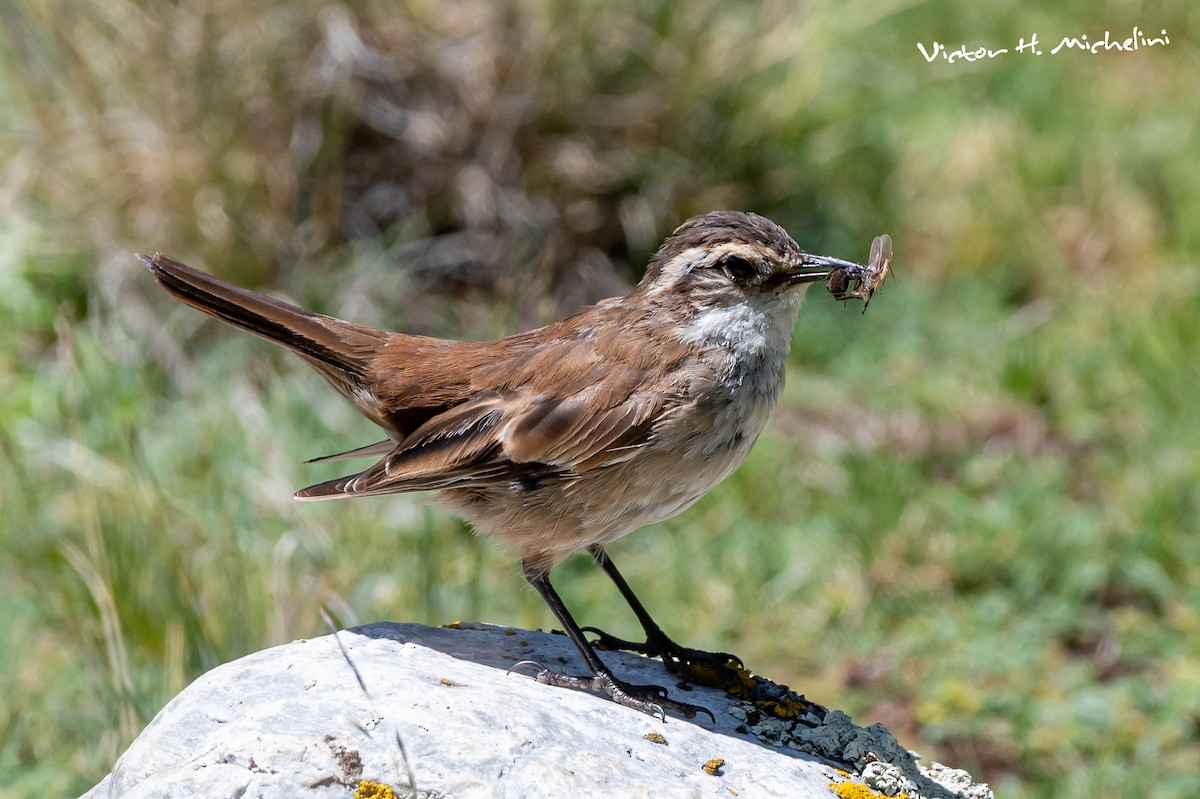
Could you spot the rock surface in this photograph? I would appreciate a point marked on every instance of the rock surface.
(437, 708)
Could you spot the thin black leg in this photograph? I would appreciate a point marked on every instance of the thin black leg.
(715, 667)
(643, 616)
(647, 698)
(541, 581)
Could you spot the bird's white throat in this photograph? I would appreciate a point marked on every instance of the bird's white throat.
(758, 329)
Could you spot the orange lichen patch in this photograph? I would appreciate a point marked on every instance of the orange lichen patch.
(856, 790)
(510, 632)
(374, 790)
(454, 625)
(714, 766)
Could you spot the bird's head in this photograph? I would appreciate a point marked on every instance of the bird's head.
(726, 258)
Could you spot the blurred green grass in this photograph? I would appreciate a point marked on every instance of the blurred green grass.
(973, 518)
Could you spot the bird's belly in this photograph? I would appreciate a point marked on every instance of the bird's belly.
(707, 456)
(696, 446)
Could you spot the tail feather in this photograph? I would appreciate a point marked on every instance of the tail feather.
(320, 339)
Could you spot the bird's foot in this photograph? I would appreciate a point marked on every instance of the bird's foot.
(712, 669)
(649, 699)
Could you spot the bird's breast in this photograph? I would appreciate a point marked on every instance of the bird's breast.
(742, 353)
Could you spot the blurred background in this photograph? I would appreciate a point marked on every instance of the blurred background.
(973, 518)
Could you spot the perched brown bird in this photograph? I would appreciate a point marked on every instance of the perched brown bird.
(570, 436)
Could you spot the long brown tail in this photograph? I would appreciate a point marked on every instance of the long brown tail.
(338, 349)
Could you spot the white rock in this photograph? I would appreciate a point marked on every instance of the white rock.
(294, 721)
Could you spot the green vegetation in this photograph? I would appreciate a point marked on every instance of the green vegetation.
(973, 518)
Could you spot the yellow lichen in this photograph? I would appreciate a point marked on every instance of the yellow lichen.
(856, 790)
(368, 789)
(741, 684)
(787, 709)
(714, 766)
(454, 625)
(655, 738)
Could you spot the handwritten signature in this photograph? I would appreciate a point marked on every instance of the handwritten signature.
(1136, 41)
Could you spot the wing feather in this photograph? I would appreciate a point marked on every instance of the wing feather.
(571, 418)
(378, 448)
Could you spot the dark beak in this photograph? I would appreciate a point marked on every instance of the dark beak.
(814, 268)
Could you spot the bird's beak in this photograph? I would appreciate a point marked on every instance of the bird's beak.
(811, 268)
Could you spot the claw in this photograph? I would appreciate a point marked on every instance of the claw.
(679, 660)
(606, 641)
(521, 663)
(649, 699)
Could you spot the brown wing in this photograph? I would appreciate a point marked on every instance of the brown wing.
(497, 439)
(370, 450)
(493, 440)
(445, 450)
(557, 401)
(570, 432)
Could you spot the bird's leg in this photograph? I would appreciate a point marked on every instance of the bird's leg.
(716, 669)
(650, 699)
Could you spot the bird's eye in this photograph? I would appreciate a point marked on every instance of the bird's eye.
(739, 269)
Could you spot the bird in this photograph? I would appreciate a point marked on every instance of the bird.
(565, 438)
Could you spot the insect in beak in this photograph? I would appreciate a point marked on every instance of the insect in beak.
(853, 280)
